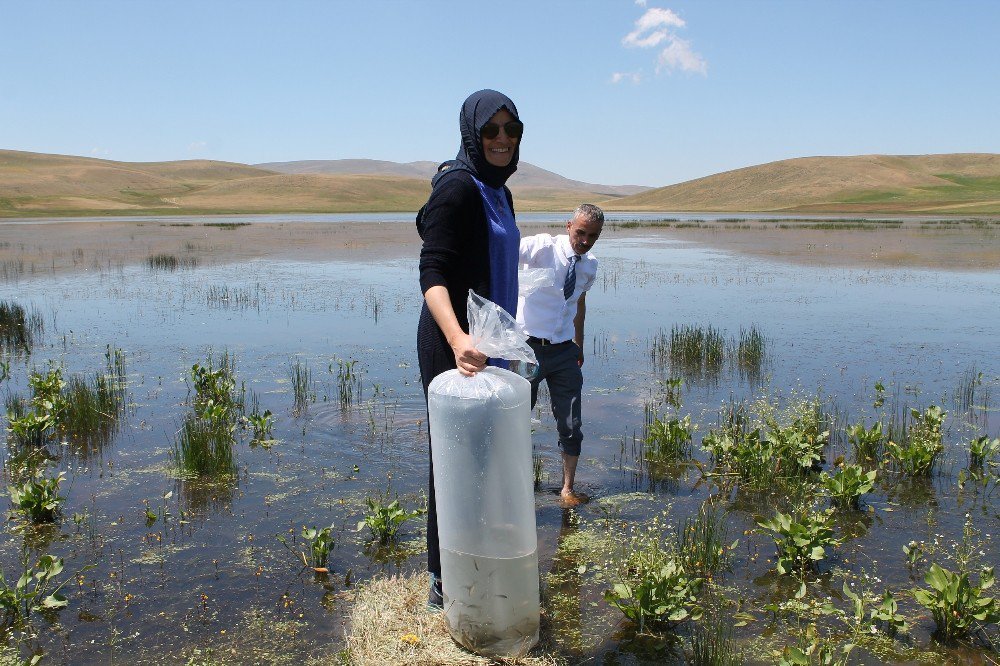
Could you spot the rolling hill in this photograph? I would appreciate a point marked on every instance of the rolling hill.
(34, 184)
(962, 183)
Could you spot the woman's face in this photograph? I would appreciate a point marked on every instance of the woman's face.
(500, 151)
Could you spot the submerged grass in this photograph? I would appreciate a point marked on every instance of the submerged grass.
(389, 624)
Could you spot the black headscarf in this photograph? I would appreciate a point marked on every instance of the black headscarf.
(476, 112)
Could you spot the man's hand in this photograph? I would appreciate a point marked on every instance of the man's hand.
(579, 354)
(468, 359)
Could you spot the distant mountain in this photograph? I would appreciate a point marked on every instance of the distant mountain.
(528, 176)
(35, 184)
(957, 183)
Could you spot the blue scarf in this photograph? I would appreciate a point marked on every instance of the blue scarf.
(505, 242)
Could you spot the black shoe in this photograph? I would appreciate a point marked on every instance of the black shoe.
(435, 598)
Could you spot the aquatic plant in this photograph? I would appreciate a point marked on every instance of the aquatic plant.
(537, 470)
(348, 382)
(957, 605)
(696, 350)
(658, 594)
(965, 393)
(666, 438)
(866, 442)
(169, 262)
(36, 426)
(33, 590)
(215, 388)
(702, 542)
(802, 538)
(750, 354)
(18, 328)
(713, 645)
(92, 408)
(301, 377)
(260, 424)
(384, 518)
(919, 453)
(847, 485)
(650, 585)
(981, 452)
(38, 497)
(204, 445)
(320, 543)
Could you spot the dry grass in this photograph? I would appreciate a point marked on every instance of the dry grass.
(390, 626)
(857, 184)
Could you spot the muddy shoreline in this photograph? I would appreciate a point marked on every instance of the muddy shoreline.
(60, 247)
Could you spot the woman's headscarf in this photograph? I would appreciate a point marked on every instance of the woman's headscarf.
(476, 112)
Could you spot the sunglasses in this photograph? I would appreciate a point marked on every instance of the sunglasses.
(513, 129)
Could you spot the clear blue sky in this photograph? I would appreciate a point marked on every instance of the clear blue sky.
(615, 92)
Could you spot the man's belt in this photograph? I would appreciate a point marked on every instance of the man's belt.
(545, 342)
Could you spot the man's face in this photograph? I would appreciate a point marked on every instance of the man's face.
(582, 233)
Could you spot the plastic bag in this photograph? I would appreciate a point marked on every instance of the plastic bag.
(530, 279)
(495, 333)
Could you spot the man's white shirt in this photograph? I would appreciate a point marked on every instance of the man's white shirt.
(546, 312)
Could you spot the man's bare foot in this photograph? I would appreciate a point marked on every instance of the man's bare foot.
(571, 498)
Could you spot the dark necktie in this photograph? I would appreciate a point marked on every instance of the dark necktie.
(569, 286)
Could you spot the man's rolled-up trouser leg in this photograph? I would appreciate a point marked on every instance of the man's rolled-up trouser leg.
(565, 381)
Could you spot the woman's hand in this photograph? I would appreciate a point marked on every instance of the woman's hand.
(468, 359)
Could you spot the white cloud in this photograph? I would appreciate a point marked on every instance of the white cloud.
(197, 146)
(678, 55)
(652, 28)
(657, 27)
(618, 77)
(99, 151)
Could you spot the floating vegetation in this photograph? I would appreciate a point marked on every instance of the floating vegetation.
(170, 262)
(19, 328)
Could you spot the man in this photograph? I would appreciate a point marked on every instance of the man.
(553, 317)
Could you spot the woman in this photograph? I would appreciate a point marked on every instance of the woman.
(470, 241)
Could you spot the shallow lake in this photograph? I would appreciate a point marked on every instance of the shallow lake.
(210, 572)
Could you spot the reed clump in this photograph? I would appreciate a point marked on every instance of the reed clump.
(19, 328)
